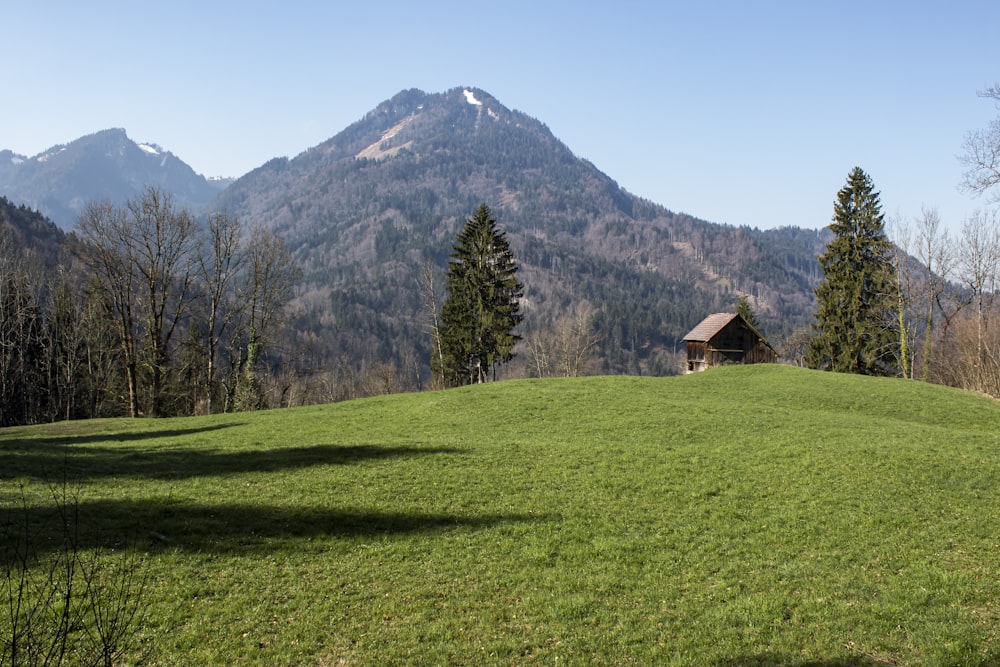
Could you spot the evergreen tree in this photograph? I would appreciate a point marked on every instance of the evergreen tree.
(855, 329)
(482, 307)
(744, 310)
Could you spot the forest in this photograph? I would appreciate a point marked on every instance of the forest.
(141, 311)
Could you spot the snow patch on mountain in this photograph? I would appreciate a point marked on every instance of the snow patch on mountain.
(152, 149)
(470, 97)
(45, 156)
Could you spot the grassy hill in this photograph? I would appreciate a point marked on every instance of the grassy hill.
(744, 516)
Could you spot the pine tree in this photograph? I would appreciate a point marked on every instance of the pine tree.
(745, 310)
(855, 328)
(482, 307)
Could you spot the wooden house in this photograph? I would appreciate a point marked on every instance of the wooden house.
(726, 338)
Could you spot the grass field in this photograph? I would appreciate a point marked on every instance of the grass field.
(760, 515)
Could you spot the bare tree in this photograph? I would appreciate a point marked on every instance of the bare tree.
(979, 272)
(795, 346)
(107, 240)
(973, 360)
(102, 360)
(219, 266)
(539, 352)
(937, 259)
(380, 379)
(980, 249)
(21, 337)
(980, 265)
(982, 152)
(65, 349)
(143, 254)
(577, 339)
(165, 254)
(268, 277)
(901, 242)
(428, 285)
(566, 347)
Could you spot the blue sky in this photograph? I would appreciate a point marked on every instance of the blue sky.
(746, 113)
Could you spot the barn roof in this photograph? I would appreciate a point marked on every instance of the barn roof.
(710, 326)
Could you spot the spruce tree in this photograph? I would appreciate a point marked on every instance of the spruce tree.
(482, 307)
(745, 310)
(855, 328)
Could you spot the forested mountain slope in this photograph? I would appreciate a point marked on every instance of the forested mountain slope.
(30, 235)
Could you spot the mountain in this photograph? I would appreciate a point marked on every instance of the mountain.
(107, 165)
(365, 210)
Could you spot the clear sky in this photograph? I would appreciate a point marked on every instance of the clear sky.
(746, 113)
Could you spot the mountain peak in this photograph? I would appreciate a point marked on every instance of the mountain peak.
(105, 165)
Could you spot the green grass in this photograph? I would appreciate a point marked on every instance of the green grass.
(744, 516)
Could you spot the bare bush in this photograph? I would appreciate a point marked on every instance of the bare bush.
(70, 604)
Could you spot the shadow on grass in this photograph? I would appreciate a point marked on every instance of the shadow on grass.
(773, 660)
(61, 441)
(173, 462)
(225, 528)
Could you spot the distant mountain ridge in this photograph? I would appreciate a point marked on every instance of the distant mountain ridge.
(106, 165)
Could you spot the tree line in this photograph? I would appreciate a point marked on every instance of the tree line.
(147, 313)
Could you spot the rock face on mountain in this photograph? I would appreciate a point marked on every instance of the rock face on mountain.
(365, 210)
(103, 166)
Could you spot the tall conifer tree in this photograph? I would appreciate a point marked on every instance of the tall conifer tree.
(483, 304)
(855, 331)
(745, 310)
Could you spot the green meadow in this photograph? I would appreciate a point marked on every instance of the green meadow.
(759, 515)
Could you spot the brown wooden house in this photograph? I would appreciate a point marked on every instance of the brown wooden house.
(726, 338)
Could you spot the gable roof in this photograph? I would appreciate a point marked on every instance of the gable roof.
(710, 326)
(715, 323)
